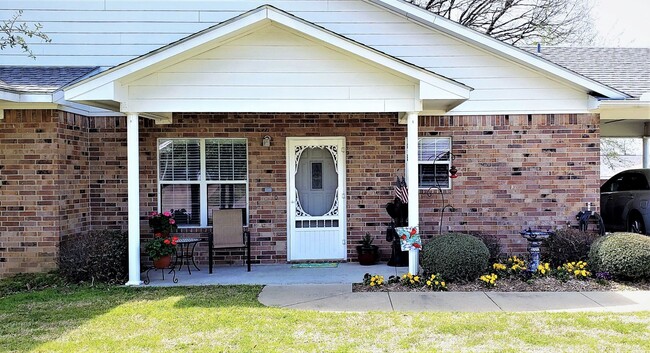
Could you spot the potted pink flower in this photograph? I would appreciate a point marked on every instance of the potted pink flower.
(162, 223)
(161, 248)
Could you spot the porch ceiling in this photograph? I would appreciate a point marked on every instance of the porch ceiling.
(626, 118)
(267, 60)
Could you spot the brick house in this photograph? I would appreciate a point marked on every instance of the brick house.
(301, 113)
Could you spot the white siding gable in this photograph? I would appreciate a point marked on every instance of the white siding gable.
(109, 32)
(272, 68)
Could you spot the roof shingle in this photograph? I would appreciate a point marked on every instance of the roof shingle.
(625, 69)
(29, 79)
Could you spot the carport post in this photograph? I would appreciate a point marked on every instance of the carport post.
(646, 151)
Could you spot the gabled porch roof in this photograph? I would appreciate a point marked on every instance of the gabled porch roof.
(429, 91)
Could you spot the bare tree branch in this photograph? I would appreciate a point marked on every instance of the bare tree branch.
(614, 150)
(520, 21)
(12, 34)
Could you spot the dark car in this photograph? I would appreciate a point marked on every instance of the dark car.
(625, 201)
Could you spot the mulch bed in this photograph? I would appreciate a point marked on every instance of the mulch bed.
(516, 285)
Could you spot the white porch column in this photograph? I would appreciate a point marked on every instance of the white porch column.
(133, 163)
(646, 151)
(412, 182)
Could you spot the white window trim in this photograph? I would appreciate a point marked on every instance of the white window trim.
(447, 162)
(203, 183)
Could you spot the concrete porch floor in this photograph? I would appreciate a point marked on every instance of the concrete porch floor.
(277, 274)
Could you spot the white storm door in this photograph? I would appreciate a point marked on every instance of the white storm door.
(316, 198)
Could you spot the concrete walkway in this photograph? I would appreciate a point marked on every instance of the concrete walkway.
(330, 289)
(339, 297)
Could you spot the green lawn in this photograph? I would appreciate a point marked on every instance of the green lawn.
(229, 319)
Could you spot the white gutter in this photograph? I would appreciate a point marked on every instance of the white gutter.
(625, 109)
(17, 97)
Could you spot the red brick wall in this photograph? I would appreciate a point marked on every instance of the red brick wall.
(73, 167)
(108, 173)
(515, 172)
(375, 152)
(43, 187)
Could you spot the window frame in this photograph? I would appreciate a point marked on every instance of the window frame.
(448, 162)
(203, 182)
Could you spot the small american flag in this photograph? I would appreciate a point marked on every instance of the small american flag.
(401, 190)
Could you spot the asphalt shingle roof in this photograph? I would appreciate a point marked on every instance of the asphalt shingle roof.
(624, 69)
(30, 79)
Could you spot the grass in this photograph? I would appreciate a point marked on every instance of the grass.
(230, 319)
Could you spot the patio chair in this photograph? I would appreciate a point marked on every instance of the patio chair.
(228, 232)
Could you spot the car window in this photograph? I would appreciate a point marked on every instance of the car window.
(633, 181)
(613, 185)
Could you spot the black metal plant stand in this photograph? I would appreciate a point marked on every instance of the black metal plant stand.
(162, 270)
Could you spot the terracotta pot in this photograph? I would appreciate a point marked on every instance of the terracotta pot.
(163, 262)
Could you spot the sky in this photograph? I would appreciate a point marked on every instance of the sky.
(622, 23)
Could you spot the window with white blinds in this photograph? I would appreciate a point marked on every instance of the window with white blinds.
(196, 176)
(434, 161)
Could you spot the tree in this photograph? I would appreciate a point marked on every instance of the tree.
(13, 32)
(520, 22)
(613, 152)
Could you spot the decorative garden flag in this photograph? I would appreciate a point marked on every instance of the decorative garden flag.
(409, 238)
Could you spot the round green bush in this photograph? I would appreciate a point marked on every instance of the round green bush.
(622, 255)
(455, 256)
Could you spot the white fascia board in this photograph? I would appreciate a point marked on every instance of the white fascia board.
(625, 110)
(82, 109)
(17, 97)
(35, 98)
(496, 46)
(9, 96)
(107, 91)
(456, 89)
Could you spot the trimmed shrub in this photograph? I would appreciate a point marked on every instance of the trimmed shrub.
(622, 255)
(493, 245)
(568, 245)
(99, 256)
(455, 256)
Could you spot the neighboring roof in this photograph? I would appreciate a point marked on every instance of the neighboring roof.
(30, 79)
(625, 69)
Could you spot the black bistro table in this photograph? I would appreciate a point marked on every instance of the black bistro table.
(185, 253)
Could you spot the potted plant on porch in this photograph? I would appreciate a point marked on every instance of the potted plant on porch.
(161, 248)
(368, 253)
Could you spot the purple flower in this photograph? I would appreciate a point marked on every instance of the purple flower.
(604, 275)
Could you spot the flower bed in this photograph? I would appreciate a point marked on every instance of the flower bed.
(510, 275)
(515, 285)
